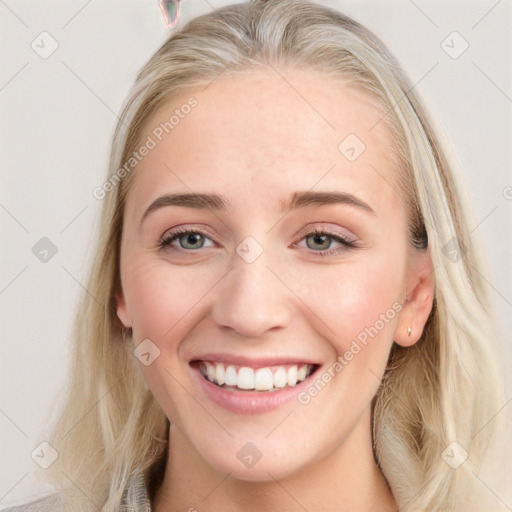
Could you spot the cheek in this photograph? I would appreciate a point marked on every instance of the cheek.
(160, 295)
(360, 302)
(360, 306)
(165, 303)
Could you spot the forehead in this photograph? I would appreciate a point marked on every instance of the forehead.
(264, 132)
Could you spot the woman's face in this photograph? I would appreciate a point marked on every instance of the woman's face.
(250, 294)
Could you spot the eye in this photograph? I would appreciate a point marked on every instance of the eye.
(187, 239)
(319, 241)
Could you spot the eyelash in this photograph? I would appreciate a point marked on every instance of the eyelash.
(165, 242)
(345, 242)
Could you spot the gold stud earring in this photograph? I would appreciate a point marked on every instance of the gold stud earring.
(409, 331)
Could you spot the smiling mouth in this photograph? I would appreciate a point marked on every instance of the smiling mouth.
(245, 378)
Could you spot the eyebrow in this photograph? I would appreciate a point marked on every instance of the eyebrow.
(312, 198)
(218, 202)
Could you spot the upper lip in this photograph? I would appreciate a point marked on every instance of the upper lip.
(252, 362)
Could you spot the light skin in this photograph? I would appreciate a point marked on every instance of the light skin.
(256, 139)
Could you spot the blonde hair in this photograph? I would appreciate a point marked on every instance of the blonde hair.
(445, 388)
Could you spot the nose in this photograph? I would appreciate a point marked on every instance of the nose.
(251, 299)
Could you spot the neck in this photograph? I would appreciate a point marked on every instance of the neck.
(347, 479)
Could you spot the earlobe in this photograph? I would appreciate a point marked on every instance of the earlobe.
(122, 311)
(418, 302)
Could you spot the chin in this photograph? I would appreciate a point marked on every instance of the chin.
(258, 461)
(262, 471)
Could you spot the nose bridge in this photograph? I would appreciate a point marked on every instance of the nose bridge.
(252, 300)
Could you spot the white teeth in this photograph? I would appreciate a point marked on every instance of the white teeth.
(220, 374)
(245, 378)
(280, 378)
(263, 379)
(302, 372)
(291, 376)
(231, 377)
(210, 372)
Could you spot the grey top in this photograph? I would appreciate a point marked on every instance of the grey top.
(135, 499)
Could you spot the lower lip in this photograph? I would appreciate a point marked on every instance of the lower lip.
(249, 402)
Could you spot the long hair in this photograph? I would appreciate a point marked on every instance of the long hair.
(444, 389)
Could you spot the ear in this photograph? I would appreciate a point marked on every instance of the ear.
(122, 310)
(419, 299)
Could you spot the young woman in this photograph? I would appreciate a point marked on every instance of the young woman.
(286, 310)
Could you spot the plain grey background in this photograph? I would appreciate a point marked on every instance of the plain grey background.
(58, 115)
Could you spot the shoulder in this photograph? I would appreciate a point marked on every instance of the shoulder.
(135, 499)
(47, 503)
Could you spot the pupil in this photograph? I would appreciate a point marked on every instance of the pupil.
(192, 239)
(322, 240)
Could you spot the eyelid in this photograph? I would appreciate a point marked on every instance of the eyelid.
(344, 244)
(328, 229)
(183, 228)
